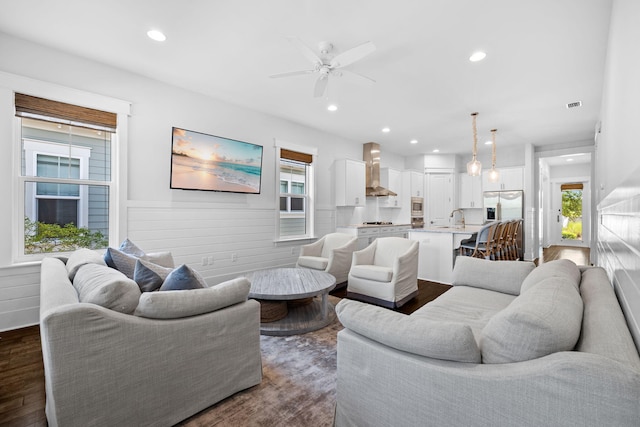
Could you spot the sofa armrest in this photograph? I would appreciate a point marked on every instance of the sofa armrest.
(364, 256)
(417, 335)
(312, 249)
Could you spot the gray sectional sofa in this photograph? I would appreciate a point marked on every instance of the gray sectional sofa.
(114, 356)
(510, 344)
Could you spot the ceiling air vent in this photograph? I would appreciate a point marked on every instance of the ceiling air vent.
(574, 104)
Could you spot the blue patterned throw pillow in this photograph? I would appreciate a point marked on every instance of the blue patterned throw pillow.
(149, 276)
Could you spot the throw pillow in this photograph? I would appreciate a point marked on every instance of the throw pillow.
(177, 304)
(81, 257)
(165, 259)
(557, 268)
(425, 337)
(544, 320)
(504, 276)
(128, 247)
(149, 276)
(106, 287)
(120, 261)
(183, 278)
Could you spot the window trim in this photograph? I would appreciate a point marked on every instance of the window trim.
(280, 145)
(12, 83)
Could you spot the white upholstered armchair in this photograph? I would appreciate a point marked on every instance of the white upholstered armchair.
(385, 272)
(331, 253)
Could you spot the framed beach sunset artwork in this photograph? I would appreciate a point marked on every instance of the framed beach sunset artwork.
(213, 163)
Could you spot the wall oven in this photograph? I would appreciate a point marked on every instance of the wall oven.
(417, 207)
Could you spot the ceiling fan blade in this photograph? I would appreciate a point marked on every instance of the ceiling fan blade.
(306, 50)
(353, 73)
(321, 86)
(291, 73)
(352, 55)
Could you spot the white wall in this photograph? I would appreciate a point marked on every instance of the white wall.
(191, 224)
(617, 171)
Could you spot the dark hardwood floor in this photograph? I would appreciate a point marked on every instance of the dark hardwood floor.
(21, 378)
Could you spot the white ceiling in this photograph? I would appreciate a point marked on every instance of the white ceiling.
(541, 55)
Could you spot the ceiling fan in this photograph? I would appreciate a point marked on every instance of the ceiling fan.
(325, 65)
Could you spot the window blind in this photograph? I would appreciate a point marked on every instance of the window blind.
(296, 156)
(577, 186)
(46, 109)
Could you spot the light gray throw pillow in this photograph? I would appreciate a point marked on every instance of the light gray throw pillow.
(557, 268)
(106, 287)
(81, 257)
(499, 276)
(544, 320)
(176, 304)
(413, 334)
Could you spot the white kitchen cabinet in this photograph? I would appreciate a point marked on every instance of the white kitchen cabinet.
(510, 179)
(436, 254)
(350, 182)
(368, 233)
(391, 179)
(416, 180)
(470, 191)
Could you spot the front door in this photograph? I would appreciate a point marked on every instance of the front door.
(570, 214)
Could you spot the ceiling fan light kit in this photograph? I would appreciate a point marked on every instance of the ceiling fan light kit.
(325, 66)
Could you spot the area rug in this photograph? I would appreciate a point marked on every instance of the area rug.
(298, 385)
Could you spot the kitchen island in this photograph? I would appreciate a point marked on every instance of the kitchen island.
(438, 250)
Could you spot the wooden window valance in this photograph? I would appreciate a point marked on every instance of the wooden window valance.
(296, 156)
(577, 186)
(27, 105)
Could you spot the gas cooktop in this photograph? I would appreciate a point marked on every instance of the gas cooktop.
(378, 223)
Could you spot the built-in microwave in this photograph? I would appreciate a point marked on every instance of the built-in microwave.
(417, 207)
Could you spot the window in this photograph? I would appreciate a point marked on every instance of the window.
(65, 176)
(295, 198)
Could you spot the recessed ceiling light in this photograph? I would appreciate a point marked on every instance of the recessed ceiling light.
(488, 143)
(477, 56)
(332, 107)
(386, 129)
(414, 141)
(569, 160)
(156, 35)
(435, 150)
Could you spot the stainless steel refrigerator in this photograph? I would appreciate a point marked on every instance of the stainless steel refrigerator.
(503, 205)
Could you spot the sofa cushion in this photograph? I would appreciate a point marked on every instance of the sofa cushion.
(439, 340)
(106, 287)
(149, 276)
(503, 276)
(81, 257)
(557, 268)
(376, 273)
(171, 305)
(546, 319)
(183, 278)
(315, 262)
(165, 259)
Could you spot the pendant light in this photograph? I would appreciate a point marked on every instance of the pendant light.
(474, 167)
(494, 174)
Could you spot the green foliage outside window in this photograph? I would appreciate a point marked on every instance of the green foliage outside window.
(44, 238)
(572, 209)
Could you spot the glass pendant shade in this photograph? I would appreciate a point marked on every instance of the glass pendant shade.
(474, 167)
(494, 175)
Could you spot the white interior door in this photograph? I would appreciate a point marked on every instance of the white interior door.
(439, 198)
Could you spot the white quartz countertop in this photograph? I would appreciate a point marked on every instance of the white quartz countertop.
(469, 229)
(373, 225)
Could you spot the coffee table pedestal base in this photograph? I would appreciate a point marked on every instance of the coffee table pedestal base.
(301, 319)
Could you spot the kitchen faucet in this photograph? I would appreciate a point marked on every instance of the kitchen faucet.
(453, 212)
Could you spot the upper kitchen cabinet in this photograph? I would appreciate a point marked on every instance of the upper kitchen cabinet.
(470, 191)
(510, 179)
(350, 182)
(416, 180)
(391, 179)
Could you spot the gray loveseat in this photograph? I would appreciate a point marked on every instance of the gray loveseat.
(181, 352)
(509, 344)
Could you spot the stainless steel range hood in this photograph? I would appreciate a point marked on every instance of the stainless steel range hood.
(371, 157)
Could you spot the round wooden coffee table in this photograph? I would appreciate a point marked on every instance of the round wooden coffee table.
(290, 285)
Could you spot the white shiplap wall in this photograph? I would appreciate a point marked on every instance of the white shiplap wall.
(619, 248)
